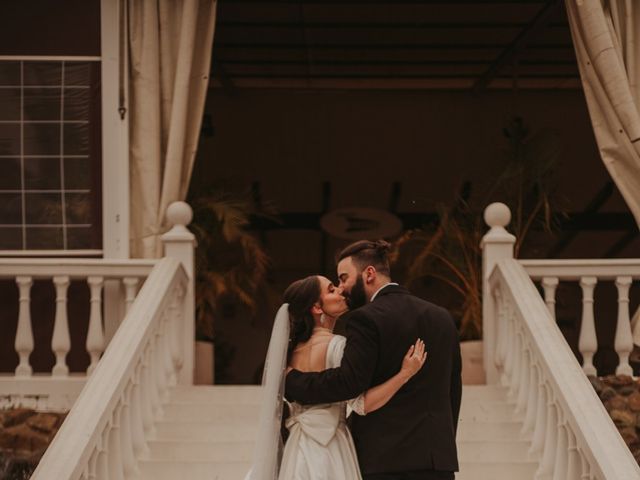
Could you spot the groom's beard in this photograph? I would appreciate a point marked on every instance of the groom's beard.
(357, 297)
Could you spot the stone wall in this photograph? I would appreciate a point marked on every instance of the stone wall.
(24, 436)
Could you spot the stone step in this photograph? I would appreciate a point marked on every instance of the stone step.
(489, 451)
(167, 470)
(489, 411)
(218, 394)
(210, 412)
(233, 431)
(490, 431)
(190, 451)
(497, 471)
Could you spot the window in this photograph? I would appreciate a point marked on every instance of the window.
(49, 154)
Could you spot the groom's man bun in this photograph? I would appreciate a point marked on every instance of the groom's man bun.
(368, 252)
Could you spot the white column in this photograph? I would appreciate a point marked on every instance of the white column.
(497, 244)
(588, 342)
(179, 243)
(623, 341)
(549, 284)
(61, 342)
(95, 336)
(24, 334)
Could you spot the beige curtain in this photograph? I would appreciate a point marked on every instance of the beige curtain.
(170, 45)
(604, 35)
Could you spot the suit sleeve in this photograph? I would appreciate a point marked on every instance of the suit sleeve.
(456, 377)
(347, 381)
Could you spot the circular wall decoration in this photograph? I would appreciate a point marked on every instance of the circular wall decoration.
(358, 223)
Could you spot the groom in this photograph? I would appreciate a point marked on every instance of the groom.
(413, 436)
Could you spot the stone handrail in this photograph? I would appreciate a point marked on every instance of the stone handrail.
(572, 434)
(104, 433)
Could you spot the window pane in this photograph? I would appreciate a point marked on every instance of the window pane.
(10, 208)
(76, 103)
(42, 139)
(9, 103)
(76, 138)
(77, 173)
(9, 139)
(77, 73)
(79, 238)
(42, 173)
(78, 208)
(10, 73)
(42, 73)
(44, 238)
(42, 208)
(10, 238)
(42, 104)
(10, 177)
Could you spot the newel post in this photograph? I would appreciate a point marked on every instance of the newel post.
(497, 244)
(179, 243)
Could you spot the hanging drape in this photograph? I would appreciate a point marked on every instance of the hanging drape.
(170, 45)
(606, 36)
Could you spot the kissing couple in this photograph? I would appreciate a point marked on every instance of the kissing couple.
(402, 407)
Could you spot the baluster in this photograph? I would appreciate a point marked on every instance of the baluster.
(545, 468)
(175, 322)
(588, 342)
(169, 371)
(130, 289)
(531, 401)
(497, 301)
(129, 465)
(586, 469)
(115, 458)
(539, 431)
(137, 418)
(153, 379)
(517, 359)
(61, 342)
(624, 341)
(574, 465)
(523, 391)
(93, 464)
(95, 335)
(146, 393)
(160, 379)
(549, 284)
(102, 468)
(509, 340)
(24, 333)
(562, 450)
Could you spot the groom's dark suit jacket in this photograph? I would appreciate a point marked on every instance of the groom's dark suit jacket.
(416, 429)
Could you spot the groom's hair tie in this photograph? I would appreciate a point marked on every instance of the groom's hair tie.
(368, 252)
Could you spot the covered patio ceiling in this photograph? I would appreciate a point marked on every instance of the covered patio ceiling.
(389, 44)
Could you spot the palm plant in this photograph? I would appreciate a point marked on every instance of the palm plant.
(231, 263)
(451, 256)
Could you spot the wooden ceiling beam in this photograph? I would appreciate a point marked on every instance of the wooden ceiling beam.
(540, 21)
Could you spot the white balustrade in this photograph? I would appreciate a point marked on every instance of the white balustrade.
(573, 437)
(588, 342)
(623, 341)
(95, 335)
(61, 341)
(550, 284)
(104, 433)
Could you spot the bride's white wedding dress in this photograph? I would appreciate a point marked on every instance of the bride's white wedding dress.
(320, 446)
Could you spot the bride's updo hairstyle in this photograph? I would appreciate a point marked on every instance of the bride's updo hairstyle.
(301, 295)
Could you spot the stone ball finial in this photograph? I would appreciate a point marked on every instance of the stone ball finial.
(497, 215)
(179, 213)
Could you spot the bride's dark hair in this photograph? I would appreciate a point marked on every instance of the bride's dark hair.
(301, 295)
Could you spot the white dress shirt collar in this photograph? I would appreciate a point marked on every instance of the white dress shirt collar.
(378, 291)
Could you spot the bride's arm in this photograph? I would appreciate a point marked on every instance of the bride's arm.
(378, 396)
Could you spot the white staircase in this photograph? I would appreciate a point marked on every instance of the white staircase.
(490, 445)
(208, 433)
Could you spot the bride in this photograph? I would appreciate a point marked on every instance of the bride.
(319, 445)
